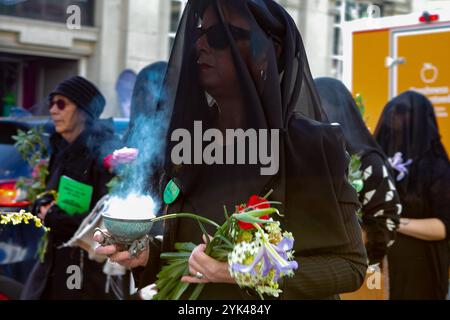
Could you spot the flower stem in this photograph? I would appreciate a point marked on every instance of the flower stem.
(268, 194)
(185, 215)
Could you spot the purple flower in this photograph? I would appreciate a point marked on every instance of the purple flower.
(400, 166)
(274, 257)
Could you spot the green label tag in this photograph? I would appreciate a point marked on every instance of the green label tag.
(74, 197)
(171, 192)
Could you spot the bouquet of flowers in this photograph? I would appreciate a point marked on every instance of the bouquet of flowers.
(34, 151)
(258, 252)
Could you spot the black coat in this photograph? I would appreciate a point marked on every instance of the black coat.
(324, 271)
(82, 161)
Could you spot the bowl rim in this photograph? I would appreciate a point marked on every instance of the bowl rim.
(127, 219)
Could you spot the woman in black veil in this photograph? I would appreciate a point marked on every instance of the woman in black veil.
(242, 65)
(381, 206)
(419, 259)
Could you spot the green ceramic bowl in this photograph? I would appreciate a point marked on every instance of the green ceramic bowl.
(127, 230)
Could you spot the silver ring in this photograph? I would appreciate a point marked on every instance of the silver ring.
(199, 275)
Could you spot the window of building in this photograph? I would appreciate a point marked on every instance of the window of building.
(346, 10)
(49, 10)
(176, 10)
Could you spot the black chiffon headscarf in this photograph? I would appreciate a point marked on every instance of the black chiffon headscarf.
(340, 107)
(408, 125)
(275, 84)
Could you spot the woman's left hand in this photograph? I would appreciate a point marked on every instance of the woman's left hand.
(43, 211)
(204, 269)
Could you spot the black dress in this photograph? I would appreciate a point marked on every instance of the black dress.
(419, 269)
(81, 161)
(324, 271)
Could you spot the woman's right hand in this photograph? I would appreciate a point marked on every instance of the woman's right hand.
(121, 257)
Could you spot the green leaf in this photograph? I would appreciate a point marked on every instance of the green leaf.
(268, 194)
(179, 290)
(197, 291)
(172, 270)
(260, 212)
(175, 255)
(225, 211)
(164, 292)
(185, 246)
(250, 219)
(205, 233)
(221, 237)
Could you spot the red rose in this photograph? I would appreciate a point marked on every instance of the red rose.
(107, 162)
(255, 202)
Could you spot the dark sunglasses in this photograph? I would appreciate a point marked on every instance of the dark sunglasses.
(60, 104)
(217, 38)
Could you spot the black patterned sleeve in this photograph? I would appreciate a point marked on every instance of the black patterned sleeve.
(381, 207)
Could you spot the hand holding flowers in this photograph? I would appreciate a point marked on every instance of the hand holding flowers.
(249, 249)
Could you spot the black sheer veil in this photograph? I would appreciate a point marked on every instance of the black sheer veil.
(278, 91)
(340, 107)
(408, 125)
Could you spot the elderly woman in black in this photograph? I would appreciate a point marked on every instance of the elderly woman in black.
(241, 64)
(77, 146)
(419, 260)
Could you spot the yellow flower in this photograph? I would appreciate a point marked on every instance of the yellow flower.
(245, 237)
(249, 260)
(38, 223)
(21, 217)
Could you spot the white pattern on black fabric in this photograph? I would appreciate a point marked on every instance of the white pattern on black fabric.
(399, 208)
(367, 173)
(379, 213)
(385, 172)
(390, 225)
(368, 196)
(391, 185)
(390, 243)
(389, 196)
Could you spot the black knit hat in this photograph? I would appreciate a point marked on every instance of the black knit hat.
(83, 93)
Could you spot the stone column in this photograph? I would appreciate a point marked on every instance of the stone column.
(315, 23)
(131, 37)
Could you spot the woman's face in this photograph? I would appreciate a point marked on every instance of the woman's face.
(66, 116)
(216, 66)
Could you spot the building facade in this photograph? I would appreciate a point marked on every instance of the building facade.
(44, 41)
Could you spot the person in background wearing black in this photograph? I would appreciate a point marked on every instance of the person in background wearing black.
(78, 144)
(381, 208)
(419, 260)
